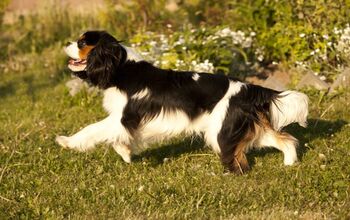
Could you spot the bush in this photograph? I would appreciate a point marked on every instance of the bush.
(294, 33)
(235, 36)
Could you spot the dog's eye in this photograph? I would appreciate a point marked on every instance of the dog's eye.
(81, 44)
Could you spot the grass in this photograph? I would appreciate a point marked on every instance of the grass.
(38, 179)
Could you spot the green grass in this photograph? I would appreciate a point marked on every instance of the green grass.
(39, 179)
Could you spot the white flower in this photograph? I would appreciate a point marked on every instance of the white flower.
(206, 66)
(180, 41)
(224, 32)
(337, 31)
(152, 43)
(302, 35)
(247, 43)
(156, 63)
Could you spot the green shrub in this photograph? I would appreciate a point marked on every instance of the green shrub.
(309, 34)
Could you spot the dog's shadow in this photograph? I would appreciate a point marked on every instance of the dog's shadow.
(174, 149)
(317, 128)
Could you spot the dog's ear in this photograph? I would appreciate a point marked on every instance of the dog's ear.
(104, 60)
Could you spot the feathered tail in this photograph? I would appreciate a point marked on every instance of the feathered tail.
(288, 107)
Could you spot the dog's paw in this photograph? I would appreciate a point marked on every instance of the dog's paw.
(124, 151)
(126, 158)
(63, 141)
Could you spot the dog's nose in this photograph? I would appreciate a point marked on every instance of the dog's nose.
(68, 43)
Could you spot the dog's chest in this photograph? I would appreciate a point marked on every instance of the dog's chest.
(114, 100)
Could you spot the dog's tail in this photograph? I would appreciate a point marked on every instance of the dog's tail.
(288, 107)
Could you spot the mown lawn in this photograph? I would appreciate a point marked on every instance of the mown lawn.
(181, 179)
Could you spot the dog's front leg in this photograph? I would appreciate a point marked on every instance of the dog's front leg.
(107, 130)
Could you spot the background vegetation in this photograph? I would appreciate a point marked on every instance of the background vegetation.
(180, 179)
(313, 35)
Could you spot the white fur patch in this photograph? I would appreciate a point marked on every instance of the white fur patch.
(166, 125)
(289, 107)
(214, 121)
(114, 101)
(72, 50)
(195, 76)
(142, 94)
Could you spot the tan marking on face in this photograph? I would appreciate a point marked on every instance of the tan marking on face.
(83, 52)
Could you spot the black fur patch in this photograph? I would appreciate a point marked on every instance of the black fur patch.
(168, 91)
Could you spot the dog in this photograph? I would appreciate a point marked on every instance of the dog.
(146, 104)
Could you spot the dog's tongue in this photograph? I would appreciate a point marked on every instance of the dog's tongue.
(76, 62)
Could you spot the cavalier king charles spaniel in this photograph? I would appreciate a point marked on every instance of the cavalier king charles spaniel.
(147, 104)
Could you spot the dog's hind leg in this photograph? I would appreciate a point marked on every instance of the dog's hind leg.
(235, 138)
(281, 141)
(268, 137)
(233, 153)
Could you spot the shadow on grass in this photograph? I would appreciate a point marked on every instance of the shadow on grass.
(156, 155)
(317, 128)
(6, 90)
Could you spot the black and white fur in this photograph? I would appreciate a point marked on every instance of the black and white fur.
(147, 104)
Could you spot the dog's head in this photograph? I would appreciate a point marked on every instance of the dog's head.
(95, 57)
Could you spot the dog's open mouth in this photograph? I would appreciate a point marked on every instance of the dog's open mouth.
(77, 65)
(77, 62)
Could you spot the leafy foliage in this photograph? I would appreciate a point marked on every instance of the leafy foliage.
(308, 34)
